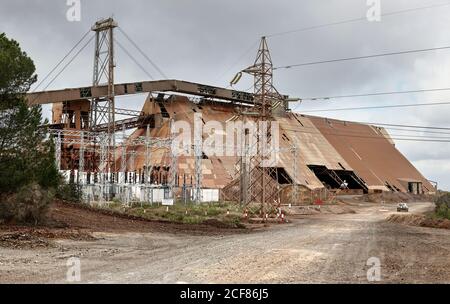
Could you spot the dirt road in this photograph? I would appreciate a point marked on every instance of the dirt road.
(311, 249)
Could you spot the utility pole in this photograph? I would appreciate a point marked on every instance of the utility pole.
(294, 198)
(198, 159)
(174, 164)
(81, 161)
(58, 144)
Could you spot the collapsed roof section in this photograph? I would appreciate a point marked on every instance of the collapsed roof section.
(372, 154)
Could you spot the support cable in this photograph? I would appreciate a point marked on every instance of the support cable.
(61, 61)
(380, 107)
(374, 94)
(356, 20)
(142, 53)
(134, 59)
(362, 57)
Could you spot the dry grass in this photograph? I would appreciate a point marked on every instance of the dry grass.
(218, 213)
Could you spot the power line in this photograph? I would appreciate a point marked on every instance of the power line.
(61, 61)
(416, 131)
(421, 131)
(65, 67)
(71, 60)
(405, 126)
(384, 125)
(356, 133)
(134, 59)
(361, 57)
(142, 53)
(379, 107)
(420, 136)
(238, 60)
(374, 94)
(355, 20)
(396, 125)
(374, 137)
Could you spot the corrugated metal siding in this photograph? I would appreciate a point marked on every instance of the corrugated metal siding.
(370, 153)
(367, 150)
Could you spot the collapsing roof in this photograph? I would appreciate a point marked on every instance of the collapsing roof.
(372, 154)
(330, 152)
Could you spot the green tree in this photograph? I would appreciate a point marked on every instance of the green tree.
(16, 71)
(26, 153)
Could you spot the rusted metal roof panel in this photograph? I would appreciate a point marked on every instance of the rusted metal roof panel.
(219, 171)
(337, 145)
(370, 152)
(313, 149)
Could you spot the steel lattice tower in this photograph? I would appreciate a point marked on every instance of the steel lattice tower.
(261, 182)
(103, 110)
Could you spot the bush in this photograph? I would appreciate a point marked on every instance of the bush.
(443, 206)
(29, 205)
(443, 199)
(69, 192)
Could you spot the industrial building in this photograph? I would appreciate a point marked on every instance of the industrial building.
(329, 151)
(314, 155)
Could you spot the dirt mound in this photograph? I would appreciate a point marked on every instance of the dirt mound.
(419, 220)
(78, 222)
(217, 224)
(99, 220)
(18, 240)
(312, 210)
(393, 198)
(31, 238)
(338, 209)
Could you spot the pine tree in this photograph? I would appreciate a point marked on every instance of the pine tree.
(26, 153)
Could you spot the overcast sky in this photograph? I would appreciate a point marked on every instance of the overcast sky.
(208, 41)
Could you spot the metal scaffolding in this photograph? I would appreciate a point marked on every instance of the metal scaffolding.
(107, 187)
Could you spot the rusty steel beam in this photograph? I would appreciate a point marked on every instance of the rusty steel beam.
(177, 86)
(129, 123)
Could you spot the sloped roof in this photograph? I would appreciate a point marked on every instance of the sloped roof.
(337, 145)
(370, 152)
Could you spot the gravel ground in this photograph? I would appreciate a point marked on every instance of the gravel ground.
(324, 248)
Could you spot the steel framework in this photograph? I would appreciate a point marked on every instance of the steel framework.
(94, 142)
(103, 109)
(259, 177)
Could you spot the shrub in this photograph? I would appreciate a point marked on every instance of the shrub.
(29, 205)
(443, 206)
(70, 192)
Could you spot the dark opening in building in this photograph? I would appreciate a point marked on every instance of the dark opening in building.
(138, 87)
(85, 92)
(335, 179)
(160, 101)
(281, 176)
